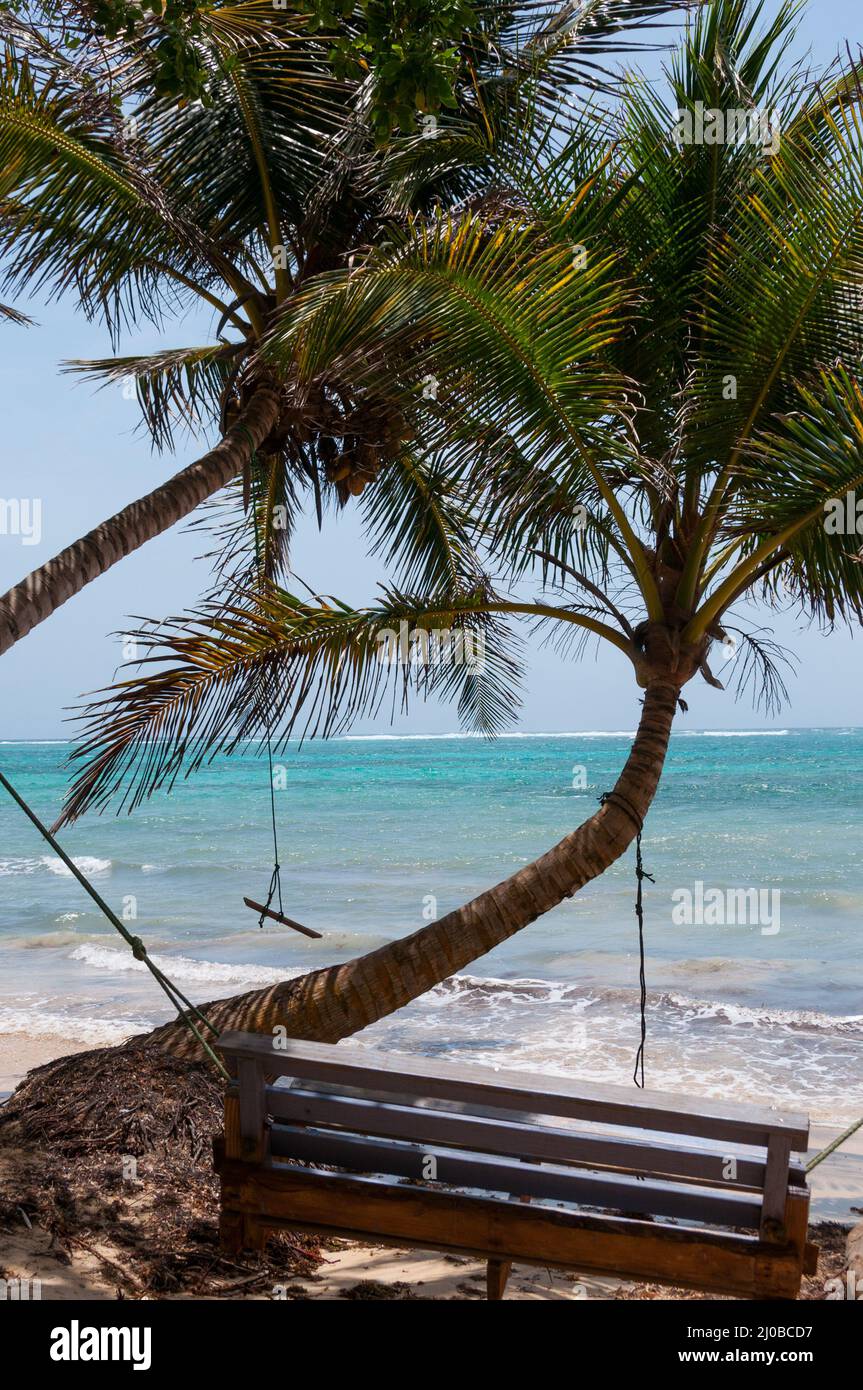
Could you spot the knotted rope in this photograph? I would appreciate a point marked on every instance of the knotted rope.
(640, 874)
(185, 1008)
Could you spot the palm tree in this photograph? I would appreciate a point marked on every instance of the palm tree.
(645, 354)
(141, 207)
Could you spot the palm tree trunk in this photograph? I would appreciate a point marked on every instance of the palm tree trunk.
(333, 1003)
(27, 604)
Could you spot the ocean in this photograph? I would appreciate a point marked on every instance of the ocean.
(378, 833)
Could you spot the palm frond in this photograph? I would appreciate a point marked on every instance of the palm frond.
(420, 521)
(226, 674)
(757, 671)
(803, 470)
(514, 332)
(14, 315)
(81, 210)
(174, 387)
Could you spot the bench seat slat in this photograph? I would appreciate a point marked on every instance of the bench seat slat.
(293, 1198)
(485, 1134)
(493, 1173)
(515, 1090)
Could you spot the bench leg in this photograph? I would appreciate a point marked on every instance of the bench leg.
(496, 1274)
(237, 1232)
(231, 1232)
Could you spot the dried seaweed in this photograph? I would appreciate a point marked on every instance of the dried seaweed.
(112, 1153)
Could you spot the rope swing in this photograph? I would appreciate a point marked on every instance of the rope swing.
(187, 1011)
(251, 488)
(266, 909)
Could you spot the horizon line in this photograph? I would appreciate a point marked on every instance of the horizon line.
(514, 733)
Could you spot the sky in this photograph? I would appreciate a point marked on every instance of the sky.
(78, 451)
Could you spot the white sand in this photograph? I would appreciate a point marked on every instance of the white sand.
(19, 1052)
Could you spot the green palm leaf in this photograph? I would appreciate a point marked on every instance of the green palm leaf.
(801, 473)
(222, 676)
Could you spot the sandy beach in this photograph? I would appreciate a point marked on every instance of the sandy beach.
(95, 1271)
(19, 1053)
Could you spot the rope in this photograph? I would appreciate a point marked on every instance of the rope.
(275, 888)
(640, 875)
(276, 878)
(825, 1153)
(139, 950)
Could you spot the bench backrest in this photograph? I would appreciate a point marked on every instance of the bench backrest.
(645, 1152)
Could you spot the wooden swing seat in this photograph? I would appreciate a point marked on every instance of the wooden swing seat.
(264, 911)
(672, 1189)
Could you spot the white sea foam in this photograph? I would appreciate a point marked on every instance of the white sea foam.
(746, 733)
(512, 734)
(8, 867)
(525, 989)
(561, 733)
(764, 1017)
(800, 1058)
(87, 863)
(489, 990)
(38, 1022)
(403, 738)
(182, 967)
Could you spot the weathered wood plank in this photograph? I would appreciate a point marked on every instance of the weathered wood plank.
(280, 917)
(521, 1091)
(493, 1173)
(775, 1187)
(298, 1198)
(496, 1274)
(673, 1158)
(253, 1115)
(232, 1135)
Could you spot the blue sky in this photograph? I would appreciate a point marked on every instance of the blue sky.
(78, 451)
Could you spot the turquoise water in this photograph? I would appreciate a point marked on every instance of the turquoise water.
(374, 829)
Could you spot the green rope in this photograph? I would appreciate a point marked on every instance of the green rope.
(139, 950)
(825, 1153)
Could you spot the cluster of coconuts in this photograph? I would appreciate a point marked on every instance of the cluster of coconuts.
(355, 446)
(352, 440)
(350, 462)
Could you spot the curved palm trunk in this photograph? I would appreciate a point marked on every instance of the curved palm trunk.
(332, 1003)
(27, 604)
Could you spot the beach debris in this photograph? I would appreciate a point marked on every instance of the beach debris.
(67, 1134)
(375, 1289)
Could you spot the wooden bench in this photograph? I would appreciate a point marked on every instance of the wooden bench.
(469, 1160)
